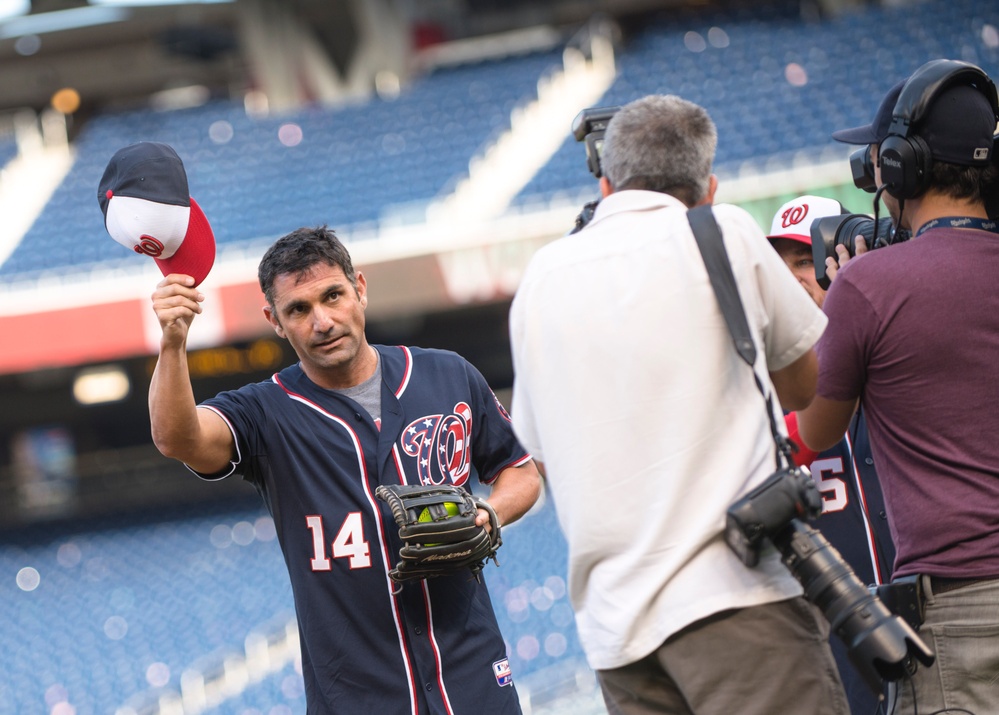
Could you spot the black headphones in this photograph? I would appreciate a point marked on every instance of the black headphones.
(904, 156)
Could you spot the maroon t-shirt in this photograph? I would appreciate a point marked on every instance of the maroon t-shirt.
(914, 332)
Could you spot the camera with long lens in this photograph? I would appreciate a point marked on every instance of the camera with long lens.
(880, 644)
(842, 230)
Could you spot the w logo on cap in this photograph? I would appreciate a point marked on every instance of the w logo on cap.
(794, 215)
(149, 246)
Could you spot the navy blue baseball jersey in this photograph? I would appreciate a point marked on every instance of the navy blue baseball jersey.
(853, 516)
(853, 520)
(316, 457)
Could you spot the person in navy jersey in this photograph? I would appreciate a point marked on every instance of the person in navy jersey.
(914, 334)
(853, 518)
(316, 440)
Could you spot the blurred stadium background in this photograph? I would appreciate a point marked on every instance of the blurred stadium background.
(434, 136)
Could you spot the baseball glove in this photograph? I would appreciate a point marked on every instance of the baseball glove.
(438, 531)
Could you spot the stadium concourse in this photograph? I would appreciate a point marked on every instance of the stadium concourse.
(131, 588)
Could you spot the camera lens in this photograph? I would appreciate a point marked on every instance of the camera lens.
(846, 234)
(880, 644)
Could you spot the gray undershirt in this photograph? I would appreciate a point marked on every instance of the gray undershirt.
(369, 393)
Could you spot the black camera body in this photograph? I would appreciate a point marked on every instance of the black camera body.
(758, 516)
(881, 645)
(589, 127)
(832, 231)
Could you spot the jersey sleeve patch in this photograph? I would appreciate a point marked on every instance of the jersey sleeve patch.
(501, 669)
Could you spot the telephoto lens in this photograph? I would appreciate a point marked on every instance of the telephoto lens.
(882, 646)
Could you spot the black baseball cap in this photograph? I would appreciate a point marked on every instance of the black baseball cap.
(959, 126)
(877, 130)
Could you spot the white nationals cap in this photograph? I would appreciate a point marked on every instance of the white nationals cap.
(794, 219)
(147, 208)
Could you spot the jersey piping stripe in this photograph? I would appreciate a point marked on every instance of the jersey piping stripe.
(232, 462)
(398, 464)
(512, 463)
(406, 374)
(426, 600)
(868, 529)
(359, 452)
(436, 648)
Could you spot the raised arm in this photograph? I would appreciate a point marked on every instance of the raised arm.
(199, 438)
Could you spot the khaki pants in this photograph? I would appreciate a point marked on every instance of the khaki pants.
(765, 660)
(962, 629)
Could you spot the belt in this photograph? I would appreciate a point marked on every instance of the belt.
(940, 584)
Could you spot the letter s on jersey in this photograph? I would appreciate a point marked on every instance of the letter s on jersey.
(834, 494)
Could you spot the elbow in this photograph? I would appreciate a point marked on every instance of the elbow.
(797, 400)
(813, 438)
(165, 446)
(170, 444)
(797, 383)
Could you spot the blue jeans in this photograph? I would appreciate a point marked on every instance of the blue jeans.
(962, 628)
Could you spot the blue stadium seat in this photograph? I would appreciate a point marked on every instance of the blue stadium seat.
(352, 165)
(850, 61)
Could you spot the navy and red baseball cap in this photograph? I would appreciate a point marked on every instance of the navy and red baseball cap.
(148, 208)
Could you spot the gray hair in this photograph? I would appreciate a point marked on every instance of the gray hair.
(661, 143)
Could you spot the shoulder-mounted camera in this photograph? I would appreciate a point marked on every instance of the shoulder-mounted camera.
(589, 127)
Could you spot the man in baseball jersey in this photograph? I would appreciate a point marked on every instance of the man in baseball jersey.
(853, 517)
(649, 426)
(316, 440)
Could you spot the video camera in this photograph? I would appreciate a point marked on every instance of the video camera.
(832, 231)
(827, 233)
(589, 127)
(882, 645)
(862, 170)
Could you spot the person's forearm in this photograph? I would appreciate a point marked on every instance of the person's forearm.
(172, 409)
(823, 423)
(514, 492)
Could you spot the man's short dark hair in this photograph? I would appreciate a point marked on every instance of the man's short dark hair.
(967, 183)
(299, 251)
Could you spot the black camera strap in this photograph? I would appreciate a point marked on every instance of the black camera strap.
(712, 247)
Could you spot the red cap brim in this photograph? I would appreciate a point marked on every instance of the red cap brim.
(196, 254)
(807, 240)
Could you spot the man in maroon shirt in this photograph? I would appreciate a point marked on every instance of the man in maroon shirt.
(914, 333)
